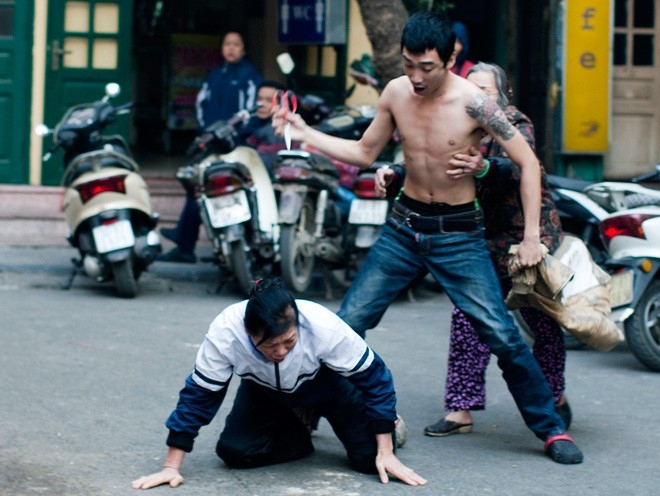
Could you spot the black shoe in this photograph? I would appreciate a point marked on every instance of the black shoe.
(168, 233)
(562, 449)
(446, 428)
(178, 255)
(564, 411)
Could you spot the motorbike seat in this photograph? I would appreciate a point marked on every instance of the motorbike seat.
(222, 166)
(96, 160)
(568, 183)
(311, 161)
(323, 164)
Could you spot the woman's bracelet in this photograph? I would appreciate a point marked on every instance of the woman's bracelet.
(485, 171)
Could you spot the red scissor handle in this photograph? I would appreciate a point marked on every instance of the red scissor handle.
(286, 100)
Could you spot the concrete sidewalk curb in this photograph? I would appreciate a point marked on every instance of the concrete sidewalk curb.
(57, 260)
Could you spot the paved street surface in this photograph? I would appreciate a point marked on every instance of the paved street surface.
(88, 380)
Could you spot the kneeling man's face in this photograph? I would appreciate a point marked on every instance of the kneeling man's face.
(276, 349)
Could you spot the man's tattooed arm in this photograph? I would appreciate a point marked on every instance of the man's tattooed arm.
(487, 113)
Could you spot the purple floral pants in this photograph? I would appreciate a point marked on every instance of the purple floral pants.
(465, 388)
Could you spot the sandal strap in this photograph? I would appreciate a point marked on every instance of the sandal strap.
(558, 437)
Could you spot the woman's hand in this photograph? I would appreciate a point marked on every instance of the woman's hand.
(462, 165)
(388, 463)
(168, 475)
(384, 177)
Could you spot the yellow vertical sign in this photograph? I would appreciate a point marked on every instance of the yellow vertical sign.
(586, 75)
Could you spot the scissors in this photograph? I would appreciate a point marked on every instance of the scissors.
(288, 101)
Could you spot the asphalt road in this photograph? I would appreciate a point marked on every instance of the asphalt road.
(88, 380)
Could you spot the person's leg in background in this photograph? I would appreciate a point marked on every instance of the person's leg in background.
(185, 234)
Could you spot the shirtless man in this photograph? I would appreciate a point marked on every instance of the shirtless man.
(436, 225)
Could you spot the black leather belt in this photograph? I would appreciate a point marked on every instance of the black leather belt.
(458, 222)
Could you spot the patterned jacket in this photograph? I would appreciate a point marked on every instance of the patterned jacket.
(499, 195)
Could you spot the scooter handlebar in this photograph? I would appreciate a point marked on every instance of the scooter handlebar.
(124, 109)
(649, 176)
(50, 152)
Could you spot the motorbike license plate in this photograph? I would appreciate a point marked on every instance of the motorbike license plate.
(115, 236)
(289, 208)
(621, 292)
(227, 210)
(372, 212)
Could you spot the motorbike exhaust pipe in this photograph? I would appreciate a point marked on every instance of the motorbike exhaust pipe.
(266, 251)
(92, 266)
(328, 252)
(148, 247)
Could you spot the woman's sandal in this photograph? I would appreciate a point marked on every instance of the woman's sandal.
(562, 449)
(446, 428)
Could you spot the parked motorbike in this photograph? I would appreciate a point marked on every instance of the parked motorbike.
(236, 199)
(106, 201)
(329, 215)
(620, 223)
(582, 205)
(632, 238)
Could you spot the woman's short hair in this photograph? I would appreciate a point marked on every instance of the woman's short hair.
(503, 89)
(271, 309)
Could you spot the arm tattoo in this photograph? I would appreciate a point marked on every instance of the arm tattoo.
(487, 113)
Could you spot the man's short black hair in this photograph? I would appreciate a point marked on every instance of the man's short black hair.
(271, 309)
(271, 84)
(427, 30)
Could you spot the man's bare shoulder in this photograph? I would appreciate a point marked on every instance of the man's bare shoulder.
(489, 114)
(397, 88)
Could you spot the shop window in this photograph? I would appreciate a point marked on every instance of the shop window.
(634, 33)
(92, 29)
(643, 49)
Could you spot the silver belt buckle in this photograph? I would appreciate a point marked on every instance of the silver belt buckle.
(411, 214)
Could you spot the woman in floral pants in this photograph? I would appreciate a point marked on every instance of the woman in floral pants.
(498, 192)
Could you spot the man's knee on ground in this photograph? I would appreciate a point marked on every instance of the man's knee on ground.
(365, 464)
(238, 455)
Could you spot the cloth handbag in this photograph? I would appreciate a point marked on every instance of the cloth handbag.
(569, 287)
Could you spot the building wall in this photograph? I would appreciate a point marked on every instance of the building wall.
(38, 84)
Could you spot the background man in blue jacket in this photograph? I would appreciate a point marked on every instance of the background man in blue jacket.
(230, 87)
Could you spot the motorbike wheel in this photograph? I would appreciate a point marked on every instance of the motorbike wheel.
(570, 342)
(125, 281)
(242, 265)
(643, 328)
(297, 250)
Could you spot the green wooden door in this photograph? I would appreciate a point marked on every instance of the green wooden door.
(89, 45)
(15, 76)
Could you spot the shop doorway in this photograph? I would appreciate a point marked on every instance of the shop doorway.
(88, 46)
(635, 142)
(15, 70)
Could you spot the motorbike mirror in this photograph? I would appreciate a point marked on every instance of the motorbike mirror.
(368, 111)
(285, 63)
(112, 89)
(41, 130)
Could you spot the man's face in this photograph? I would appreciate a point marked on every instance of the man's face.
(233, 48)
(265, 102)
(426, 71)
(486, 82)
(276, 349)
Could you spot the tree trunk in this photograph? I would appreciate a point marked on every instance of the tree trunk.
(384, 21)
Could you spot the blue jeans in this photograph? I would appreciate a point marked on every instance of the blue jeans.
(187, 227)
(461, 264)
